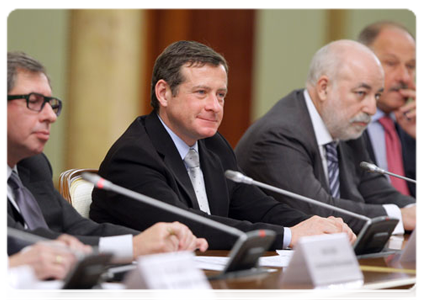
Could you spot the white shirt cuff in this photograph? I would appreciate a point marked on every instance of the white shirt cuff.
(394, 211)
(287, 236)
(120, 246)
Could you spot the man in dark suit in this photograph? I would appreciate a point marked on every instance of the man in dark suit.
(33, 203)
(309, 142)
(396, 49)
(176, 155)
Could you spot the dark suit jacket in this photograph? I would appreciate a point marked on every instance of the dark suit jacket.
(36, 174)
(281, 149)
(408, 145)
(145, 159)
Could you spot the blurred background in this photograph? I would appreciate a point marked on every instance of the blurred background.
(100, 63)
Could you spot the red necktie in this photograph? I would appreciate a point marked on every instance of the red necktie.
(394, 154)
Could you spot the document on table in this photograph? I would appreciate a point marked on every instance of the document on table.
(217, 263)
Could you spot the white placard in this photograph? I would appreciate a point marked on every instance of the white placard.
(175, 270)
(323, 260)
(408, 255)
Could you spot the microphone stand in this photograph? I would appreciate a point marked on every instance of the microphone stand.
(375, 169)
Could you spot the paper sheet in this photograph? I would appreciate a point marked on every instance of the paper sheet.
(216, 263)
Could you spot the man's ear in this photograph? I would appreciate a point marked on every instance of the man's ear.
(322, 87)
(163, 92)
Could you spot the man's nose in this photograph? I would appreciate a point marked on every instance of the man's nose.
(213, 103)
(405, 75)
(48, 114)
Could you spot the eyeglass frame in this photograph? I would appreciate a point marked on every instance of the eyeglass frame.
(46, 100)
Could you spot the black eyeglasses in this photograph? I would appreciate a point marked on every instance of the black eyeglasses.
(36, 102)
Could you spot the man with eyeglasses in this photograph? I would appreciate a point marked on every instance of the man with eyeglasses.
(33, 203)
(36, 102)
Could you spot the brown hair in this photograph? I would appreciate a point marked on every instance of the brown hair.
(21, 61)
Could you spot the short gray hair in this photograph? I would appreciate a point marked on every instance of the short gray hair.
(21, 61)
(324, 62)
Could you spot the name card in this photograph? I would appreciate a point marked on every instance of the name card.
(408, 254)
(175, 270)
(323, 261)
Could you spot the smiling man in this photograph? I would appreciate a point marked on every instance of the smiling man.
(176, 155)
(309, 142)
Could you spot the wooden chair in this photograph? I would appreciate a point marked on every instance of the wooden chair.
(76, 190)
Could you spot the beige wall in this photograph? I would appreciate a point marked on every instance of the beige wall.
(285, 43)
(286, 40)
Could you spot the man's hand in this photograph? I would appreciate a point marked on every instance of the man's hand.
(408, 116)
(317, 225)
(47, 259)
(74, 244)
(409, 217)
(167, 237)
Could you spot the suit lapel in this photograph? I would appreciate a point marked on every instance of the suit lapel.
(214, 180)
(24, 175)
(369, 145)
(13, 213)
(167, 149)
(311, 141)
(346, 170)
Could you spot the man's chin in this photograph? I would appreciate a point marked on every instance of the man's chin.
(208, 133)
(353, 135)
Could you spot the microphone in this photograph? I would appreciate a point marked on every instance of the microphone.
(243, 258)
(375, 169)
(241, 178)
(372, 237)
(104, 184)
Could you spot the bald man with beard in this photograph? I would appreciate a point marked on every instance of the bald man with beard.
(309, 142)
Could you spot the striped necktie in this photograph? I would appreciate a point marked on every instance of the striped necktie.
(333, 169)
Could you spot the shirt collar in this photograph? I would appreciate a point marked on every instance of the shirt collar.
(379, 114)
(182, 147)
(10, 170)
(320, 130)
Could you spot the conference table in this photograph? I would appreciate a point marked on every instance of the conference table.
(384, 278)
